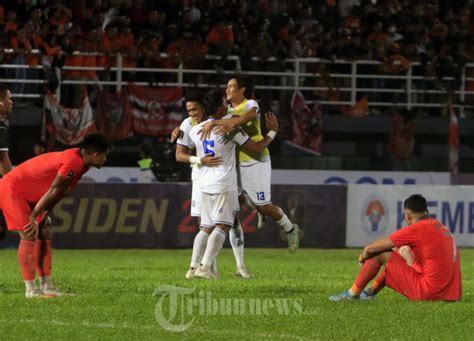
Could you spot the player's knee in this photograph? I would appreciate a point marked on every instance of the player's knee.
(208, 230)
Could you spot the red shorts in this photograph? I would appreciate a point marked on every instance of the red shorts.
(16, 209)
(403, 278)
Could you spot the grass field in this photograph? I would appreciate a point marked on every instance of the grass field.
(114, 300)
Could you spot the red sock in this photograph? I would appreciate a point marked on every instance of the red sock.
(43, 257)
(368, 271)
(26, 258)
(379, 282)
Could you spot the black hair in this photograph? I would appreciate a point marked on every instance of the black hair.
(244, 82)
(195, 96)
(96, 143)
(41, 143)
(416, 203)
(212, 101)
(3, 90)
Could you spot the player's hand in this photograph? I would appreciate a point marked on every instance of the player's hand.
(206, 130)
(363, 257)
(271, 121)
(32, 228)
(221, 131)
(211, 161)
(175, 134)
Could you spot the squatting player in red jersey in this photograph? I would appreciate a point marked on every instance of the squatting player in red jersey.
(31, 190)
(430, 271)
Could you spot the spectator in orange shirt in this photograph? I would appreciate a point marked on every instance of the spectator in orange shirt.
(21, 46)
(220, 40)
(11, 25)
(127, 45)
(401, 142)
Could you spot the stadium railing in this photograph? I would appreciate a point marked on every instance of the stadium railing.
(331, 83)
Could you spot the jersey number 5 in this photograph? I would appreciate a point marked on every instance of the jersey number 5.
(208, 146)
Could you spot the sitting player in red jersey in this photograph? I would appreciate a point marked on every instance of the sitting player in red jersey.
(31, 190)
(428, 271)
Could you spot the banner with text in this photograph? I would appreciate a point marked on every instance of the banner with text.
(291, 177)
(157, 216)
(374, 212)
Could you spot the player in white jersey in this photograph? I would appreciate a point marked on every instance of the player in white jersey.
(255, 168)
(219, 185)
(194, 102)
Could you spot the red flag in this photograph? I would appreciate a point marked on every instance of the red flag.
(67, 125)
(453, 141)
(115, 116)
(307, 124)
(155, 111)
(358, 110)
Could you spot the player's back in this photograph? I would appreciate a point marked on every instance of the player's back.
(222, 178)
(439, 258)
(32, 178)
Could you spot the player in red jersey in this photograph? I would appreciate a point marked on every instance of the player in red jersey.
(31, 190)
(429, 271)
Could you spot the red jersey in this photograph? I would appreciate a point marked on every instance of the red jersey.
(32, 179)
(436, 251)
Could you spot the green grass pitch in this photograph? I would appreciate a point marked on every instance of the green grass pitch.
(114, 300)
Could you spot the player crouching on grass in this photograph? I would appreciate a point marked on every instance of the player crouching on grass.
(29, 193)
(429, 270)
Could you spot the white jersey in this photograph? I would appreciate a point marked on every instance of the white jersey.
(185, 141)
(223, 178)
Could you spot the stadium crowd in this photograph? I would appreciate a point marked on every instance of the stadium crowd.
(439, 33)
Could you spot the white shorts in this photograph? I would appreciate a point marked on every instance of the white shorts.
(219, 209)
(256, 182)
(196, 199)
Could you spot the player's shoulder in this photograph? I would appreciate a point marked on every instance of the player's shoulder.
(251, 103)
(72, 154)
(3, 125)
(187, 124)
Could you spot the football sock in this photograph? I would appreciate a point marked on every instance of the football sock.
(368, 271)
(378, 283)
(43, 257)
(285, 223)
(199, 246)
(214, 266)
(26, 259)
(236, 238)
(214, 245)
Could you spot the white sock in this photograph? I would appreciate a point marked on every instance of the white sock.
(30, 285)
(214, 245)
(46, 281)
(236, 238)
(199, 246)
(285, 223)
(214, 266)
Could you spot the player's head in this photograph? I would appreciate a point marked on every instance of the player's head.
(214, 104)
(95, 149)
(194, 102)
(239, 87)
(6, 102)
(415, 207)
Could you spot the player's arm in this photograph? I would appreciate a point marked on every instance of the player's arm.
(257, 147)
(55, 193)
(228, 124)
(375, 248)
(183, 154)
(5, 163)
